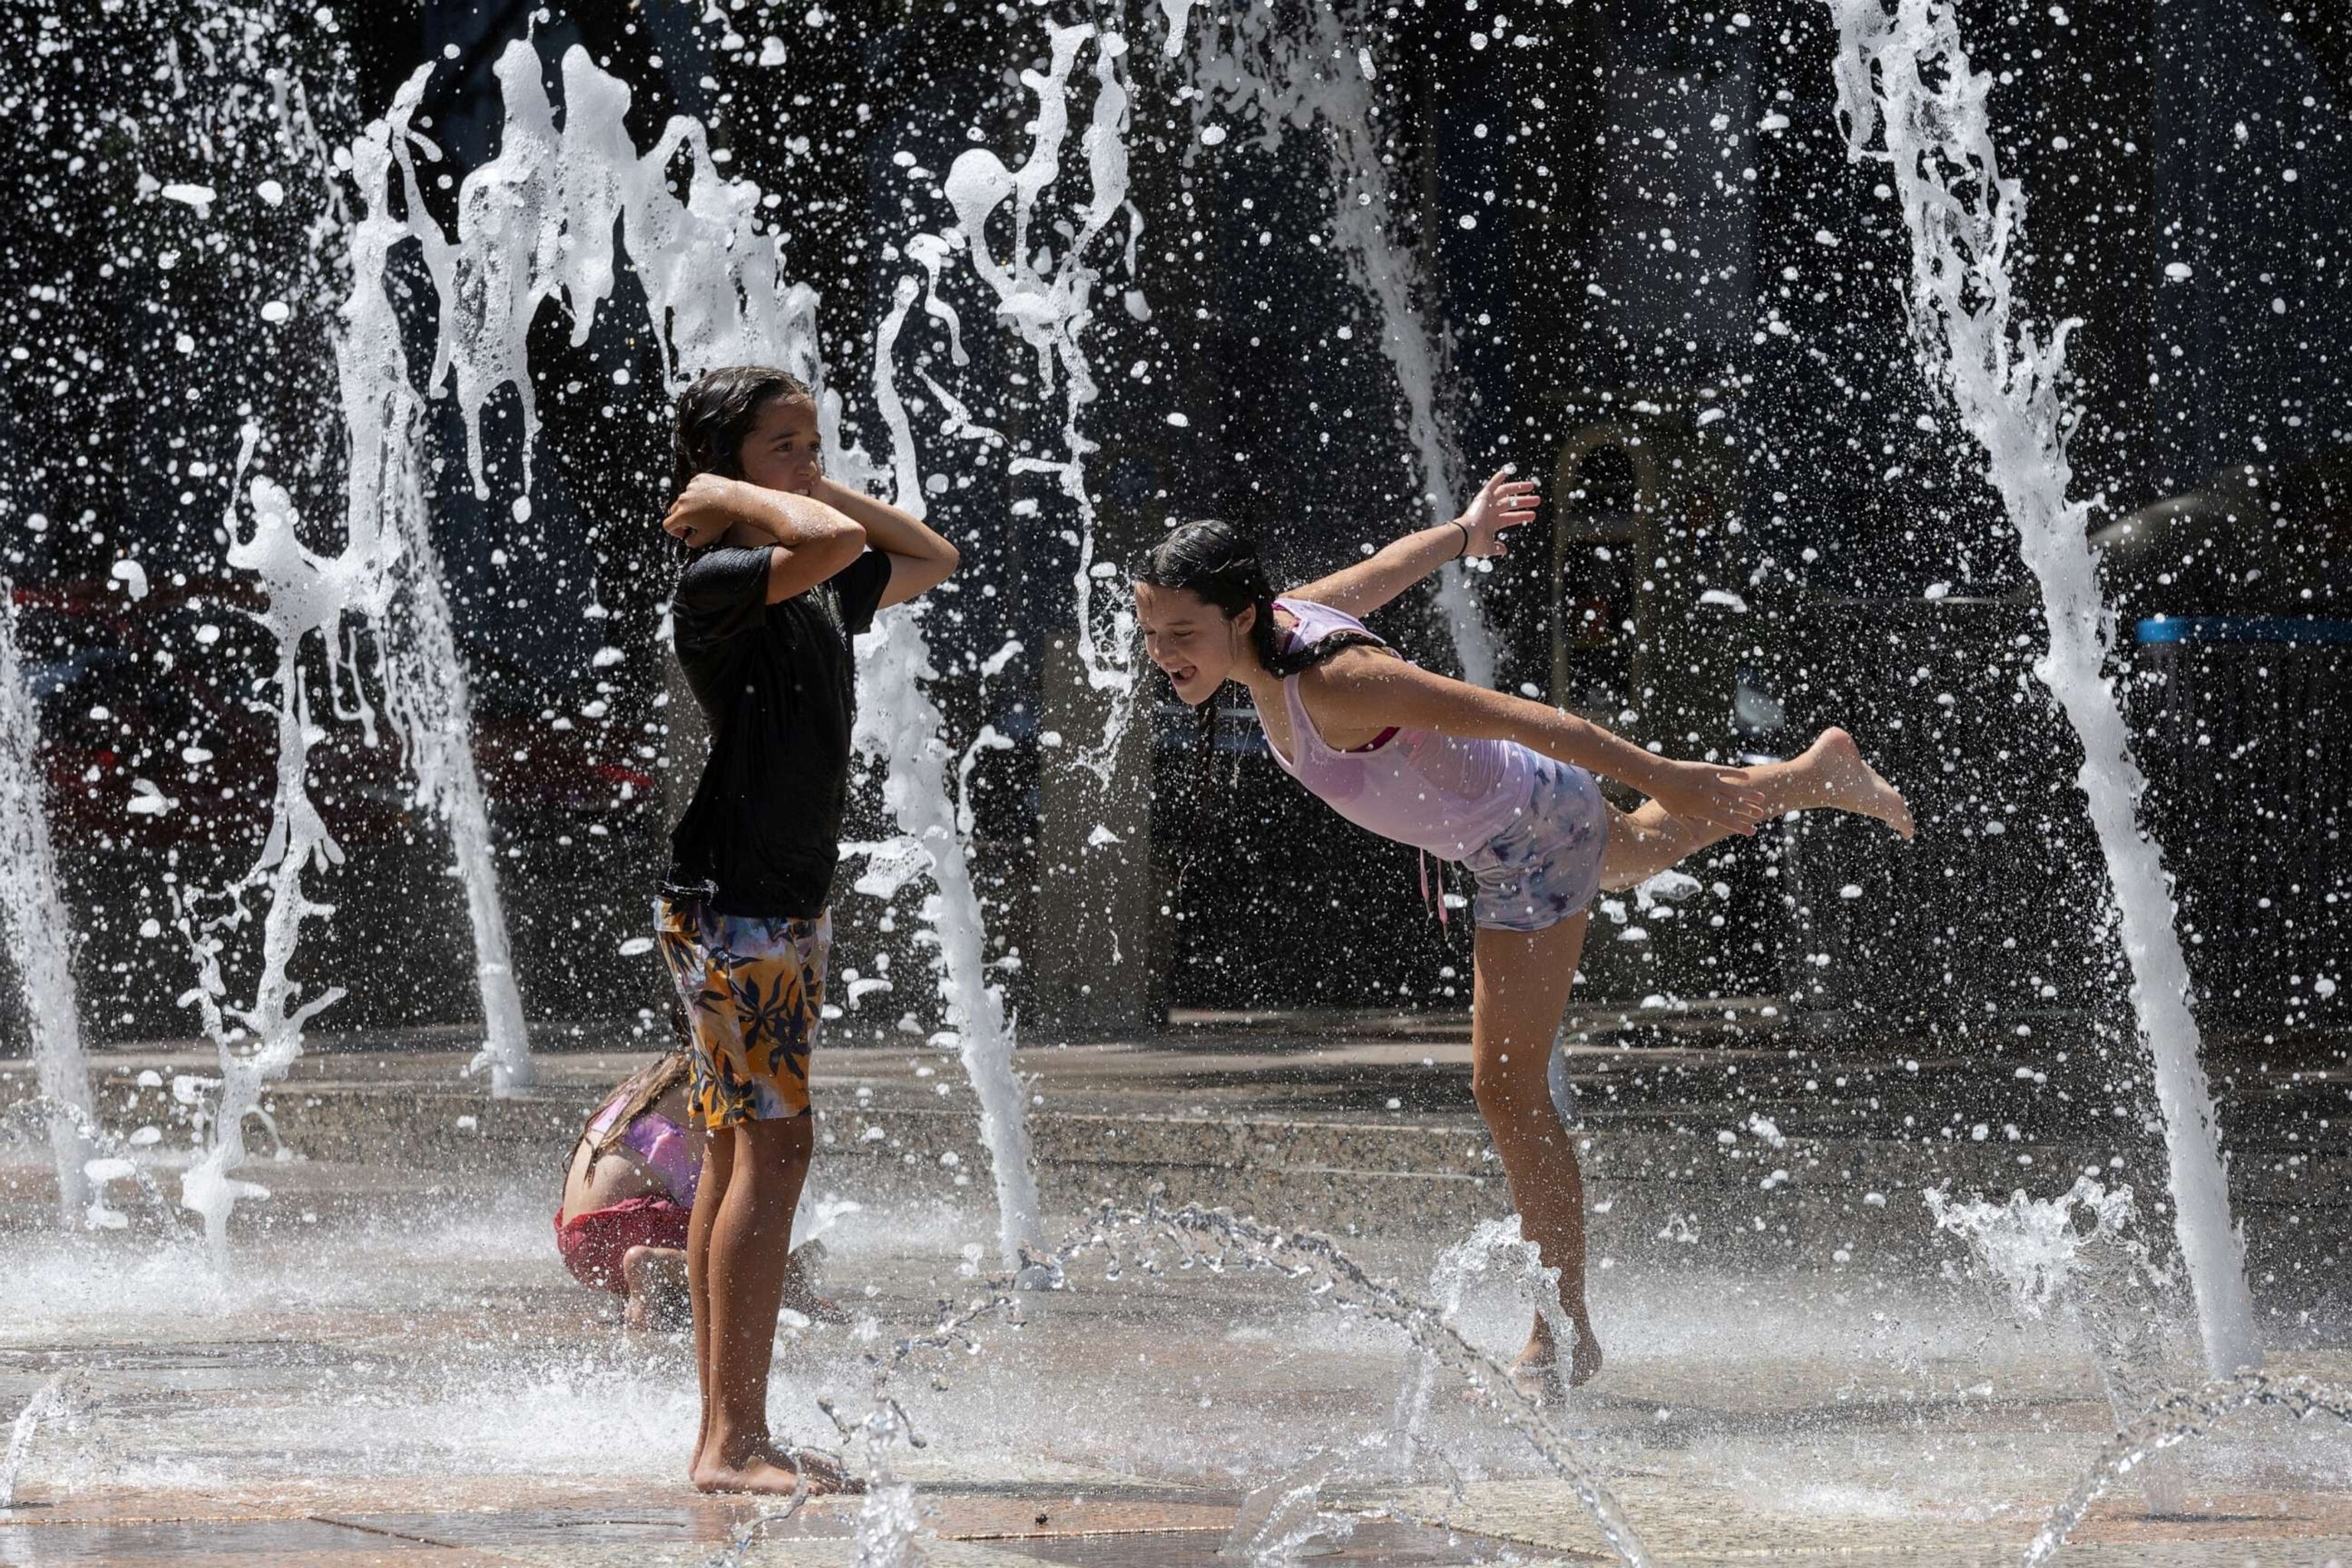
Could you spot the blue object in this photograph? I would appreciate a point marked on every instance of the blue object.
(2241, 629)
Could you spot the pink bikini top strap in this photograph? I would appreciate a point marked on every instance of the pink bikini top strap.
(601, 1122)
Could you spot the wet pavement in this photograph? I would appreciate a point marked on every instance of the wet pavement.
(394, 1368)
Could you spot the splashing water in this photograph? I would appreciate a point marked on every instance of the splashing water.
(1047, 301)
(2031, 1245)
(1281, 74)
(1214, 1240)
(2178, 1417)
(305, 593)
(115, 1161)
(2042, 1253)
(1494, 1250)
(1903, 80)
(538, 225)
(51, 1403)
(34, 913)
(1283, 1516)
(889, 1527)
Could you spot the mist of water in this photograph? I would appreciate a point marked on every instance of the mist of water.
(1215, 1240)
(1912, 103)
(1286, 72)
(33, 911)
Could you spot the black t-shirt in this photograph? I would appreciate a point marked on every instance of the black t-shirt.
(763, 833)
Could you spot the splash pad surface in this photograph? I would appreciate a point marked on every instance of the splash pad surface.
(395, 1367)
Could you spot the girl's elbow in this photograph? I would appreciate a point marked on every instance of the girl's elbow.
(845, 540)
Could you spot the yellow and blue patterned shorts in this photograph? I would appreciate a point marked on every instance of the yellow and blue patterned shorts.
(753, 988)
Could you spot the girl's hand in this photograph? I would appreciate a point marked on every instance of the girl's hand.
(1703, 792)
(1501, 502)
(704, 511)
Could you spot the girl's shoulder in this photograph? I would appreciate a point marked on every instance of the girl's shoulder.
(1350, 665)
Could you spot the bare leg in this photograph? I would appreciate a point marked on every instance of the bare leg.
(801, 1293)
(659, 1294)
(718, 1168)
(750, 1250)
(1829, 773)
(1521, 989)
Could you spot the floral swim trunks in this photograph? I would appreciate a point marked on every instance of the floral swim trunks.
(753, 988)
(1545, 867)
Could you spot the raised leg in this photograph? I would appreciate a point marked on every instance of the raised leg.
(1829, 773)
(1520, 991)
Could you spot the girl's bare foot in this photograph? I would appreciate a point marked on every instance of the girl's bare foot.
(1540, 1372)
(770, 1471)
(800, 1287)
(1850, 784)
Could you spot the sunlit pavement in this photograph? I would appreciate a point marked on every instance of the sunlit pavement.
(394, 1368)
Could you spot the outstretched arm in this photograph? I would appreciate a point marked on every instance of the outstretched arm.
(1360, 589)
(1373, 691)
(920, 559)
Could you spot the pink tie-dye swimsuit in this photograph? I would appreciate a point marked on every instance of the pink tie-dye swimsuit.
(1531, 828)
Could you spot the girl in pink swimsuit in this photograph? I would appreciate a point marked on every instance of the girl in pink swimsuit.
(1500, 784)
(627, 1192)
(627, 1196)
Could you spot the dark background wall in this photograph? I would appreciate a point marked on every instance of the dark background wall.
(1754, 493)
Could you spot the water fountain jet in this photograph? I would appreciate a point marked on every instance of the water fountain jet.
(1905, 83)
(38, 932)
(2180, 1416)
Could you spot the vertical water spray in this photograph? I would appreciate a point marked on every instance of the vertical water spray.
(1048, 301)
(1291, 76)
(1904, 82)
(307, 595)
(51, 1403)
(906, 735)
(39, 934)
(538, 225)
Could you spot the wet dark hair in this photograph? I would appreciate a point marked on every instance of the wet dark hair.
(716, 412)
(638, 1093)
(1221, 564)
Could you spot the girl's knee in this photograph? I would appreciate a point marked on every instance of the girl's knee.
(1505, 1086)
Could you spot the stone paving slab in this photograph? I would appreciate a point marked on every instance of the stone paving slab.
(344, 1389)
